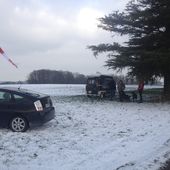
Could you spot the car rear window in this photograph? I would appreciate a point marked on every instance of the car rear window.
(18, 97)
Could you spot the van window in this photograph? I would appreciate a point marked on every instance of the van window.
(91, 81)
(106, 81)
(20, 99)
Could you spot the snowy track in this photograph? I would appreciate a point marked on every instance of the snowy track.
(91, 135)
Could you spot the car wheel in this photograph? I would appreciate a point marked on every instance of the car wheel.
(18, 124)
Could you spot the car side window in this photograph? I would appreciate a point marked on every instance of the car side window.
(5, 97)
(18, 98)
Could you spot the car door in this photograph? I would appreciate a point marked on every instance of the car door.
(5, 107)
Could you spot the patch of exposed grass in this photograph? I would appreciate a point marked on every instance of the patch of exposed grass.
(150, 95)
(155, 91)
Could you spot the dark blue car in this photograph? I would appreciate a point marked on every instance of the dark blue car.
(21, 109)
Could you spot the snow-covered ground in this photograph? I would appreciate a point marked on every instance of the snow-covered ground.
(89, 134)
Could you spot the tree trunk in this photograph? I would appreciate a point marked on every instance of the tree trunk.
(167, 86)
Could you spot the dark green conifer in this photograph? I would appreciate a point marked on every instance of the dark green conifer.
(146, 54)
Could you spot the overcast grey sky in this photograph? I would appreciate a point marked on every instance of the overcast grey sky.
(52, 34)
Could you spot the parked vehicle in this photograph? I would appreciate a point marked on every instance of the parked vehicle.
(21, 109)
(101, 86)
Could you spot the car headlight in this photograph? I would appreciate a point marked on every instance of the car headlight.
(38, 105)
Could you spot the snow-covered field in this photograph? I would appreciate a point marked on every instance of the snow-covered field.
(89, 134)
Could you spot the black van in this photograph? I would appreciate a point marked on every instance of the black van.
(101, 86)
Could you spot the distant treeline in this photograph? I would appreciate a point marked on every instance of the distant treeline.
(55, 77)
(45, 76)
(12, 82)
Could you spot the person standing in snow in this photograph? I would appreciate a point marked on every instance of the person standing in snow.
(140, 90)
(121, 88)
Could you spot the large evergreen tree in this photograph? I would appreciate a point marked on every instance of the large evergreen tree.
(146, 54)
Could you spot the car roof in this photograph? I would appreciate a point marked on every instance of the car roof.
(9, 88)
(23, 91)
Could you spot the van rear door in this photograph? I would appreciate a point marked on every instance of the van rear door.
(91, 86)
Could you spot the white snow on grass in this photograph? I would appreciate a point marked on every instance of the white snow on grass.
(53, 89)
(88, 134)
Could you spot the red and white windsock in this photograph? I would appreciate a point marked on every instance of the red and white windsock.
(3, 53)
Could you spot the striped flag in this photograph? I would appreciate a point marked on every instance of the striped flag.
(3, 53)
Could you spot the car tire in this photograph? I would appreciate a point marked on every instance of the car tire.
(18, 124)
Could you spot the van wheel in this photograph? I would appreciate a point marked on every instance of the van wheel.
(102, 95)
(18, 124)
